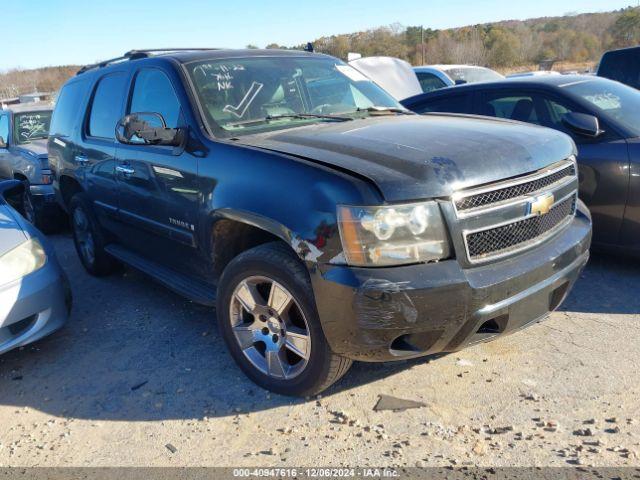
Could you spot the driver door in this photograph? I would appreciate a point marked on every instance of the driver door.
(603, 164)
(158, 193)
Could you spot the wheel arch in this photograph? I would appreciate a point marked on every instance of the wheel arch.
(68, 186)
(232, 232)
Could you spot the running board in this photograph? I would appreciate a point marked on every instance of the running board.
(194, 290)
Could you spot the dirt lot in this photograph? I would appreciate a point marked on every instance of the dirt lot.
(140, 377)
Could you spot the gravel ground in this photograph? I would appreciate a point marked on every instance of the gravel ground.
(139, 377)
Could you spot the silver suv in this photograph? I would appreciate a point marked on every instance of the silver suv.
(23, 156)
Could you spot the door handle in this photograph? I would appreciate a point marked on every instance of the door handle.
(81, 159)
(125, 170)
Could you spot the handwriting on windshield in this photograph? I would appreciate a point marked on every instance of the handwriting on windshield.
(221, 74)
(32, 126)
(246, 102)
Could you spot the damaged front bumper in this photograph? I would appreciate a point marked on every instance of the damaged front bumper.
(380, 314)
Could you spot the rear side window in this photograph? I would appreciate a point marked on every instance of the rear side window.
(623, 66)
(68, 108)
(106, 106)
(4, 127)
(453, 104)
(429, 82)
(153, 92)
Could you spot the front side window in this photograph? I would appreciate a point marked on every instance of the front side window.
(429, 82)
(250, 95)
(4, 127)
(106, 106)
(514, 107)
(153, 92)
(30, 126)
(611, 100)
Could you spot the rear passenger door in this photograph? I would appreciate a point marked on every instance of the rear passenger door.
(158, 185)
(95, 157)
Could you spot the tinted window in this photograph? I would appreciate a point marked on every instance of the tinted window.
(429, 82)
(514, 107)
(68, 108)
(623, 66)
(454, 104)
(106, 106)
(153, 92)
(4, 127)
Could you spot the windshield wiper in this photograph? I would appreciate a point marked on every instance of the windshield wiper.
(383, 110)
(337, 118)
(270, 118)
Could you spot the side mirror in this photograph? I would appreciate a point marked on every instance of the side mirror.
(12, 192)
(583, 124)
(147, 128)
(3, 143)
(460, 82)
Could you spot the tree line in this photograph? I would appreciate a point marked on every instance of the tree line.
(571, 38)
(505, 44)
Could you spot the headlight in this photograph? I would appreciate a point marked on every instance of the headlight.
(392, 235)
(26, 258)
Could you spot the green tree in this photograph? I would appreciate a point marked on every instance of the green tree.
(503, 47)
(626, 29)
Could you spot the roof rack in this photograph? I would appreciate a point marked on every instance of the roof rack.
(136, 54)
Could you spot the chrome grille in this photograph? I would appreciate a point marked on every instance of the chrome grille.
(502, 239)
(512, 191)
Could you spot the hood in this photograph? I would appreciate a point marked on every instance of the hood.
(414, 157)
(392, 74)
(37, 148)
(11, 235)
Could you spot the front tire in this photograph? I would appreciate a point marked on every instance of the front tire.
(268, 319)
(89, 238)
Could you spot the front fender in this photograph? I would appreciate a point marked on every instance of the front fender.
(290, 198)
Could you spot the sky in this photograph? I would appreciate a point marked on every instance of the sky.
(61, 32)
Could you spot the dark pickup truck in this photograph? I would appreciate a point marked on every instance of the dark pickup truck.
(324, 221)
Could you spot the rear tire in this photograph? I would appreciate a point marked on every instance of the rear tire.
(267, 316)
(89, 238)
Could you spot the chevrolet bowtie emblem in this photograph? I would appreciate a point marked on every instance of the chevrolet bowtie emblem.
(541, 204)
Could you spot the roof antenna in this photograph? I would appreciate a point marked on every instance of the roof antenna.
(309, 47)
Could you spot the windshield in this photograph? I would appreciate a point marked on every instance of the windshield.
(250, 95)
(30, 126)
(473, 74)
(612, 99)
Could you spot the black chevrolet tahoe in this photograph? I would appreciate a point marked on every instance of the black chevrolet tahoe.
(324, 221)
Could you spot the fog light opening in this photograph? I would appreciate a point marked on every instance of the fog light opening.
(490, 326)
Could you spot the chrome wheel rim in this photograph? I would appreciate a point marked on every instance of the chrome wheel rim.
(84, 237)
(270, 327)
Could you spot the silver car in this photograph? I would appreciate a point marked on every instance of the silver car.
(35, 299)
